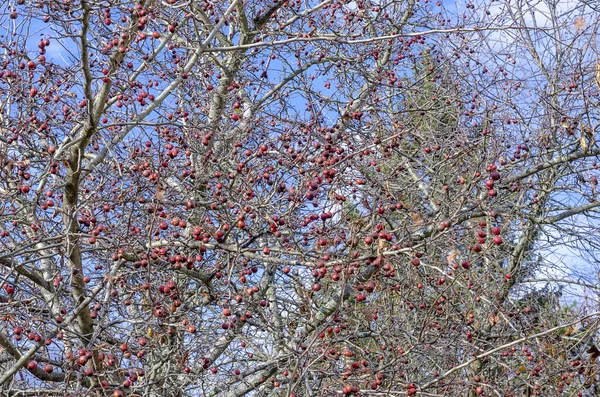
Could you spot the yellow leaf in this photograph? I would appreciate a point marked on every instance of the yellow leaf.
(150, 333)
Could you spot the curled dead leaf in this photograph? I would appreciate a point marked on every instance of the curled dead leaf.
(587, 139)
(569, 331)
(451, 257)
(380, 246)
(160, 191)
(583, 142)
(494, 319)
(416, 217)
(593, 352)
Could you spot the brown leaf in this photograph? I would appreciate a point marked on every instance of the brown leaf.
(451, 257)
(579, 23)
(587, 131)
(494, 319)
(380, 246)
(593, 352)
(160, 191)
(416, 218)
(597, 76)
(569, 331)
(583, 142)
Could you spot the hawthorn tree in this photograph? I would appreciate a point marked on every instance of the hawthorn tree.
(298, 198)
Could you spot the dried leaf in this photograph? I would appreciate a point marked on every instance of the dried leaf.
(583, 142)
(416, 217)
(159, 192)
(597, 76)
(380, 246)
(579, 23)
(569, 331)
(593, 352)
(589, 135)
(544, 139)
(451, 257)
(494, 319)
